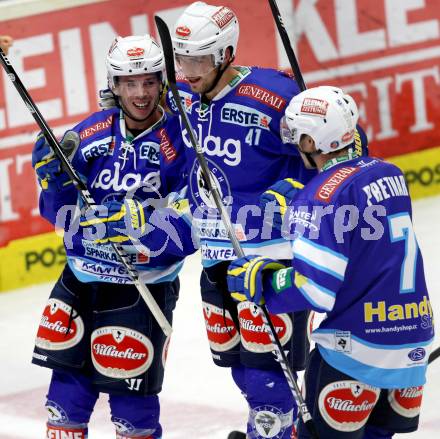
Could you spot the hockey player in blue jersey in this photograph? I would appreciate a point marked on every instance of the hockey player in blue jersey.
(236, 112)
(96, 332)
(356, 258)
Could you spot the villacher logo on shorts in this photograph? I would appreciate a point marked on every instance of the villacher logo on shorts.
(254, 333)
(57, 330)
(120, 352)
(346, 405)
(406, 402)
(222, 333)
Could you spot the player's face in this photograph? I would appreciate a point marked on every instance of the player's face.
(138, 95)
(199, 71)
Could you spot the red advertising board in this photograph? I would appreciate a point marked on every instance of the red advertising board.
(386, 56)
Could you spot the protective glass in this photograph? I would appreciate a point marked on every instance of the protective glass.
(300, 125)
(287, 135)
(194, 66)
(137, 86)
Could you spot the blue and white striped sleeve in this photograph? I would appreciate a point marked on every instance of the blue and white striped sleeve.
(318, 271)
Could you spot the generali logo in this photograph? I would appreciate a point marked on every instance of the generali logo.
(96, 128)
(166, 147)
(328, 188)
(263, 95)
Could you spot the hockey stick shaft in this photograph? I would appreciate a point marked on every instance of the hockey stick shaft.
(287, 45)
(434, 355)
(167, 47)
(84, 192)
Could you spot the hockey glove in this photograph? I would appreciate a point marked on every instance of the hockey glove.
(245, 277)
(279, 195)
(107, 99)
(115, 222)
(51, 176)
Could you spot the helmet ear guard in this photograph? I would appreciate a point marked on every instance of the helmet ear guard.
(325, 114)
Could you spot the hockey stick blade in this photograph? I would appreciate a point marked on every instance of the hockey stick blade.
(83, 191)
(167, 47)
(287, 45)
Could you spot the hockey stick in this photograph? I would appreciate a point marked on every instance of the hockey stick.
(167, 48)
(84, 192)
(287, 46)
(434, 355)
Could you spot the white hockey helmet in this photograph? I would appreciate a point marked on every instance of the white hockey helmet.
(326, 114)
(134, 55)
(203, 29)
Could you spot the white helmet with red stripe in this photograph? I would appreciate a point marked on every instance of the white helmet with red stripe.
(134, 55)
(326, 114)
(203, 29)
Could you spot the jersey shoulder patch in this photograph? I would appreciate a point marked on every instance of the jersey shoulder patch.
(270, 87)
(96, 124)
(333, 181)
(261, 94)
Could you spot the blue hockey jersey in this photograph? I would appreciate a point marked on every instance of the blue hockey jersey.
(239, 133)
(356, 258)
(114, 165)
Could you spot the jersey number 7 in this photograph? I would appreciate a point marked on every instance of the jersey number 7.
(401, 228)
